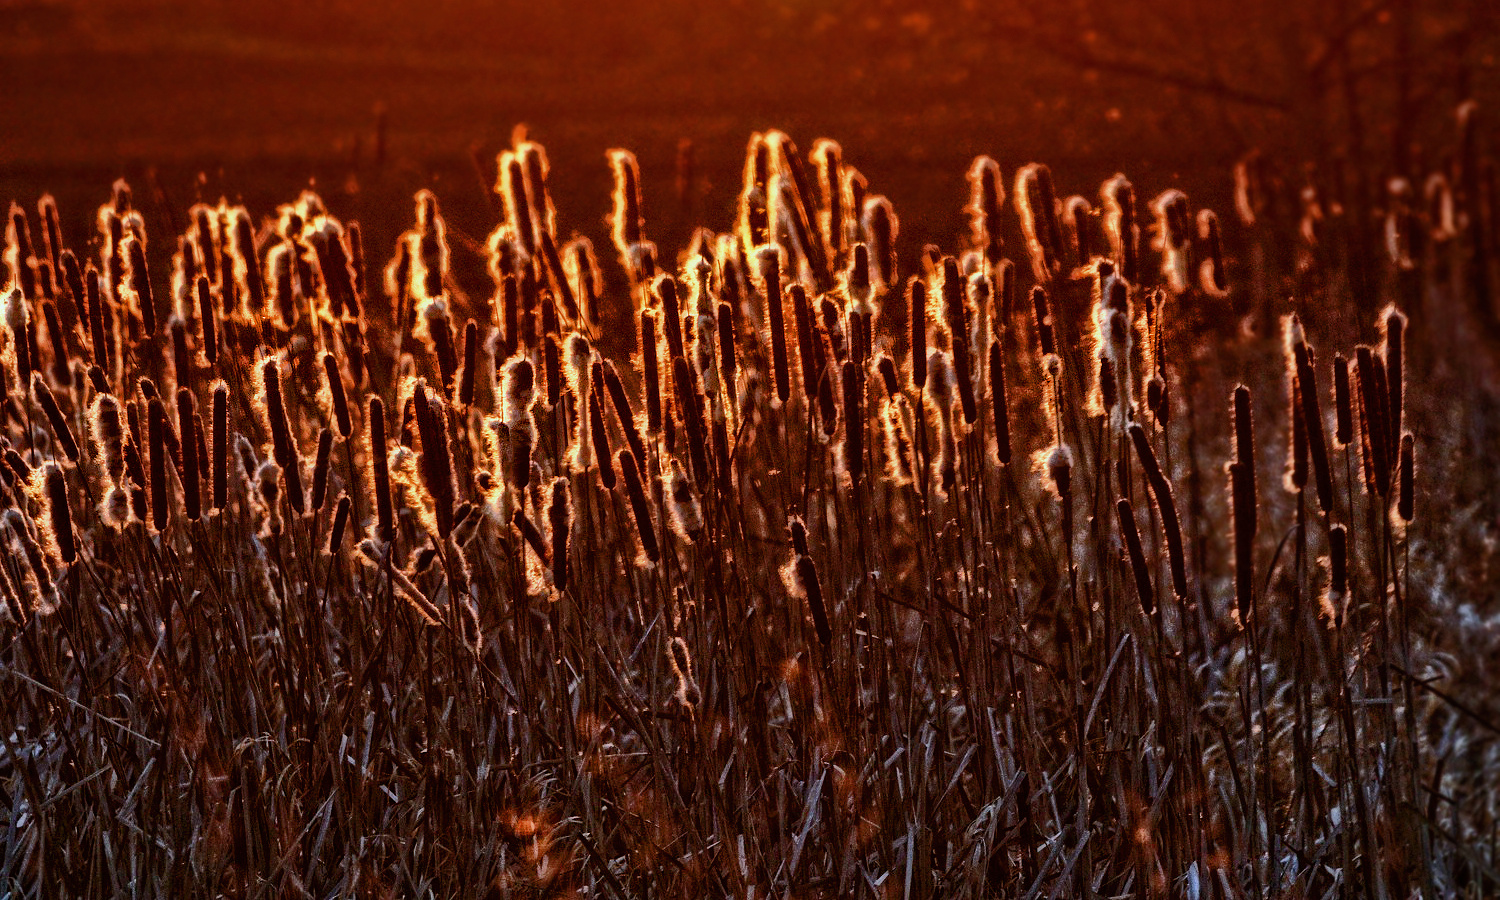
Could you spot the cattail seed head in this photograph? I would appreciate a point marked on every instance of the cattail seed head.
(1138, 565)
(1406, 498)
(108, 435)
(58, 532)
(60, 428)
(639, 505)
(221, 445)
(187, 428)
(380, 477)
(560, 519)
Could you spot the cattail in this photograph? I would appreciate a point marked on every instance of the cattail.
(986, 195)
(770, 271)
(1036, 206)
(1334, 600)
(93, 294)
(531, 536)
(807, 356)
(320, 469)
(1394, 324)
(380, 483)
(854, 422)
(916, 299)
(998, 404)
(186, 412)
(1121, 228)
(626, 221)
(664, 288)
(1242, 490)
(274, 415)
(45, 399)
(437, 462)
(134, 468)
(1344, 431)
(138, 281)
(221, 445)
(17, 464)
(72, 278)
(651, 371)
(108, 435)
(812, 591)
(690, 407)
(1406, 498)
(1137, 556)
(157, 424)
(684, 512)
(62, 370)
(1039, 306)
(725, 322)
(597, 434)
(59, 530)
(621, 402)
(560, 518)
(688, 693)
(208, 316)
(466, 378)
(1166, 507)
(1374, 421)
(182, 362)
(1312, 423)
(333, 382)
(638, 504)
(340, 522)
(1212, 277)
(16, 314)
(827, 158)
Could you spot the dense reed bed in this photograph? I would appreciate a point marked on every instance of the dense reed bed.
(1121, 548)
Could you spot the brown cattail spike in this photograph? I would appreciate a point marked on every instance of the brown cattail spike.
(59, 515)
(916, 299)
(437, 461)
(1137, 557)
(157, 428)
(186, 414)
(334, 381)
(1242, 487)
(1406, 498)
(1166, 507)
(45, 399)
(340, 522)
(639, 507)
(380, 473)
(221, 445)
(1312, 424)
(320, 470)
(560, 519)
(807, 582)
